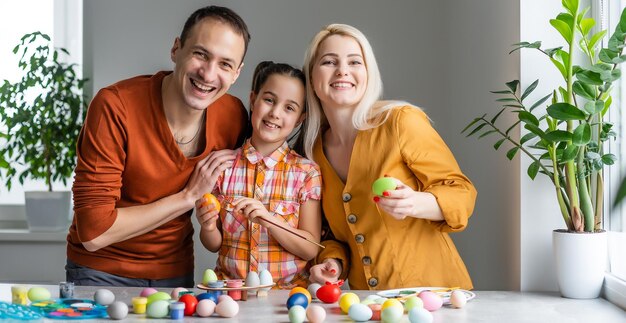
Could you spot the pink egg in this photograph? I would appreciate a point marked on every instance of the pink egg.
(176, 291)
(315, 313)
(147, 292)
(224, 297)
(432, 301)
(227, 308)
(205, 308)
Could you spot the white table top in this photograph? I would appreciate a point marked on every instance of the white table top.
(488, 306)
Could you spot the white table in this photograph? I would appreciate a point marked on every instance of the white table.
(488, 306)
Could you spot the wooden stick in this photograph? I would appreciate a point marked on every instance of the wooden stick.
(293, 232)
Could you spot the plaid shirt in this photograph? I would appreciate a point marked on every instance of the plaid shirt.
(285, 180)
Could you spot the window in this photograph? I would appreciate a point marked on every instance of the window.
(62, 21)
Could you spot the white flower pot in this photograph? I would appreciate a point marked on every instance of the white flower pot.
(48, 211)
(581, 260)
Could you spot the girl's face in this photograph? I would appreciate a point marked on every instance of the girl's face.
(276, 110)
(339, 75)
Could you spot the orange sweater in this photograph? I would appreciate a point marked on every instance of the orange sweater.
(127, 156)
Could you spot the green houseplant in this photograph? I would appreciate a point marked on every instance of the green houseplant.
(40, 115)
(567, 128)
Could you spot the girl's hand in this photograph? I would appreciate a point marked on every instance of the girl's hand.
(206, 214)
(327, 271)
(252, 209)
(405, 202)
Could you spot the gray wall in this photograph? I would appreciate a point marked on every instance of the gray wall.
(443, 56)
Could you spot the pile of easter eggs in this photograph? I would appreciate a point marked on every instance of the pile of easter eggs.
(161, 304)
(301, 309)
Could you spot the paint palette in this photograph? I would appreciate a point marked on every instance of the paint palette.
(10, 311)
(70, 309)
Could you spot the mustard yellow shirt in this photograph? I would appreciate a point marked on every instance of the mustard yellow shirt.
(377, 251)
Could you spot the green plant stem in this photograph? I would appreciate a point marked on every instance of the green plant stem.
(563, 204)
(585, 199)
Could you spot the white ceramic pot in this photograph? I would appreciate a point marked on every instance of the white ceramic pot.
(48, 211)
(581, 260)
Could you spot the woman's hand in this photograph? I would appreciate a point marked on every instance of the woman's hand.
(405, 202)
(328, 271)
(252, 209)
(207, 171)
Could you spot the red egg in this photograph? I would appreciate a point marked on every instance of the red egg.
(190, 303)
(330, 292)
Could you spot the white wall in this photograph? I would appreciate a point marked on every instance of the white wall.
(444, 56)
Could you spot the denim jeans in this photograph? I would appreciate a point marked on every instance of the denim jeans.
(85, 276)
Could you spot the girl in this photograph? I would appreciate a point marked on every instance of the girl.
(268, 185)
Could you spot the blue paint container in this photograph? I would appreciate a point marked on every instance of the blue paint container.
(177, 310)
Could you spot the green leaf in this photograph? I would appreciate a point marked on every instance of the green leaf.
(595, 38)
(506, 100)
(511, 153)
(593, 107)
(487, 133)
(584, 90)
(472, 123)
(534, 129)
(582, 134)
(493, 120)
(565, 111)
(513, 85)
(529, 89)
(498, 143)
(559, 66)
(502, 92)
(533, 169)
(521, 45)
(589, 77)
(569, 153)
(540, 101)
(527, 117)
(558, 136)
(477, 129)
(527, 137)
(586, 24)
(609, 159)
(563, 28)
(607, 55)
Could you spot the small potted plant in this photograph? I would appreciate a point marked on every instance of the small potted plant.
(40, 118)
(565, 140)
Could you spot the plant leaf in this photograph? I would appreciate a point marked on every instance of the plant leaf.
(498, 143)
(511, 153)
(527, 117)
(582, 134)
(540, 101)
(565, 111)
(609, 159)
(529, 89)
(533, 169)
(563, 28)
(569, 153)
(558, 136)
(513, 85)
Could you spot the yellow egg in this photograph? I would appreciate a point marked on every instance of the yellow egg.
(346, 300)
(301, 290)
(392, 302)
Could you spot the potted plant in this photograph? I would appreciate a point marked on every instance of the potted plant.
(40, 118)
(565, 140)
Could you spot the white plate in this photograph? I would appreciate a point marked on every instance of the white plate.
(442, 291)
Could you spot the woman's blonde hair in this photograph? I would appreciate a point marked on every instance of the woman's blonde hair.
(369, 113)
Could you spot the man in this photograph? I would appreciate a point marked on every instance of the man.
(146, 154)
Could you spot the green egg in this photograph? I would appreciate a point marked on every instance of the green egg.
(412, 302)
(383, 184)
(158, 296)
(209, 276)
(158, 309)
(37, 294)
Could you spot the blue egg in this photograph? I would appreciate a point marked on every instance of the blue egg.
(202, 296)
(297, 299)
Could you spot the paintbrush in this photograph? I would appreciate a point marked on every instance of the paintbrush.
(293, 232)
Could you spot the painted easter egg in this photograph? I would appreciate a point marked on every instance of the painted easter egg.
(117, 310)
(104, 297)
(392, 313)
(298, 299)
(147, 292)
(227, 308)
(411, 302)
(312, 288)
(297, 314)
(211, 199)
(420, 315)
(205, 308)
(392, 302)
(346, 300)
(329, 293)
(36, 294)
(301, 290)
(190, 303)
(158, 296)
(315, 313)
(158, 309)
(208, 276)
(175, 294)
(359, 312)
(383, 184)
(458, 299)
(432, 301)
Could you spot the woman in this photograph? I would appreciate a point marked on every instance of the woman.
(399, 239)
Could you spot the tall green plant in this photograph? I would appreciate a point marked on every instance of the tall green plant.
(566, 141)
(40, 115)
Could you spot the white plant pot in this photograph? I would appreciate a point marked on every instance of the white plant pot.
(581, 260)
(48, 211)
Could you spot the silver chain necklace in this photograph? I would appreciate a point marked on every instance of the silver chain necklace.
(195, 135)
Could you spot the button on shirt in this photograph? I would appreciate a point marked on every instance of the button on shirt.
(410, 252)
(288, 180)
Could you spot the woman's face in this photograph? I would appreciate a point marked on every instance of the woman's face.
(339, 75)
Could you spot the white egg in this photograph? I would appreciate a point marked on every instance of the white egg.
(313, 287)
(420, 315)
(227, 308)
(266, 279)
(205, 308)
(315, 313)
(360, 312)
(117, 310)
(458, 299)
(177, 291)
(104, 297)
(252, 280)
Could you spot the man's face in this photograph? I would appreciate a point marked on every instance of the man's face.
(208, 64)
